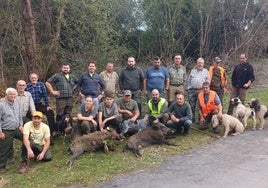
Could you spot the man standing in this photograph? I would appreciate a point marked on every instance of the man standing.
(218, 79)
(177, 73)
(180, 115)
(11, 125)
(156, 77)
(36, 141)
(131, 78)
(39, 94)
(27, 108)
(157, 108)
(208, 104)
(25, 101)
(242, 78)
(110, 77)
(88, 84)
(65, 83)
(197, 77)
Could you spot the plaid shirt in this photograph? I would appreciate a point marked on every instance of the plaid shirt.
(63, 85)
(197, 78)
(38, 92)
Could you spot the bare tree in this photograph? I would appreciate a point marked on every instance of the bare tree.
(30, 36)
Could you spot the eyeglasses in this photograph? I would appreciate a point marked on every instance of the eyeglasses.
(22, 85)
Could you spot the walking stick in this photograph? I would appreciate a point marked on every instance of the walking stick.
(204, 132)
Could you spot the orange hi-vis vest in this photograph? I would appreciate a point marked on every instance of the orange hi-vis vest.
(210, 106)
(223, 78)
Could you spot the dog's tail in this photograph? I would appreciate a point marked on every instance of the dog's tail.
(266, 114)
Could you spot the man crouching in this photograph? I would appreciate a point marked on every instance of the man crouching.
(180, 115)
(36, 141)
(208, 104)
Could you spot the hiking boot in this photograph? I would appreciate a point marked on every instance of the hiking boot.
(23, 167)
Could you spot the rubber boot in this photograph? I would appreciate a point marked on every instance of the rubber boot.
(179, 130)
(185, 131)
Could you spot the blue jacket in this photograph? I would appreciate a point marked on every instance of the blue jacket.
(88, 85)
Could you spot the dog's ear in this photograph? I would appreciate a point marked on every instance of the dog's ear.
(257, 105)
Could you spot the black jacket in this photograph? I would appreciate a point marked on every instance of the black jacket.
(242, 73)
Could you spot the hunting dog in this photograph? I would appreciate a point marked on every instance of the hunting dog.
(230, 124)
(260, 110)
(243, 113)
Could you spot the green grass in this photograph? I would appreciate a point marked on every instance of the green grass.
(92, 168)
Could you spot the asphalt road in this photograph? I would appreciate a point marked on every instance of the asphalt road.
(236, 162)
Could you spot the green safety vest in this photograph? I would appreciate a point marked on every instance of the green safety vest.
(159, 107)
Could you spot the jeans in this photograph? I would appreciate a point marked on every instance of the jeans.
(178, 126)
(138, 125)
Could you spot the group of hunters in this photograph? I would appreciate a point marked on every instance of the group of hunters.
(174, 98)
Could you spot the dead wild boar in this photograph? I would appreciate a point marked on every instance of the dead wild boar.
(92, 142)
(148, 136)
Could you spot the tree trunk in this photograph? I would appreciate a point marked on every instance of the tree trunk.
(30, 37)
(2, 41)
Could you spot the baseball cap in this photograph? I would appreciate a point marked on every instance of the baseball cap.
(127, 92)
(38, 114)
(217, 59)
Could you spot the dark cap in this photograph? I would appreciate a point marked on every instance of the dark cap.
(217, 60)
(127, 92)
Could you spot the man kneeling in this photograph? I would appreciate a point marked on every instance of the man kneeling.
(36, 141)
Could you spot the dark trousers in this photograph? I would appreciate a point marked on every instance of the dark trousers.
(64, 105)
(37, 149)
(241, 93)
(114, 123)
(24, 120)
(137, 96)
(178, 126)
(7, 144)
(49, 114)
(192, 98)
